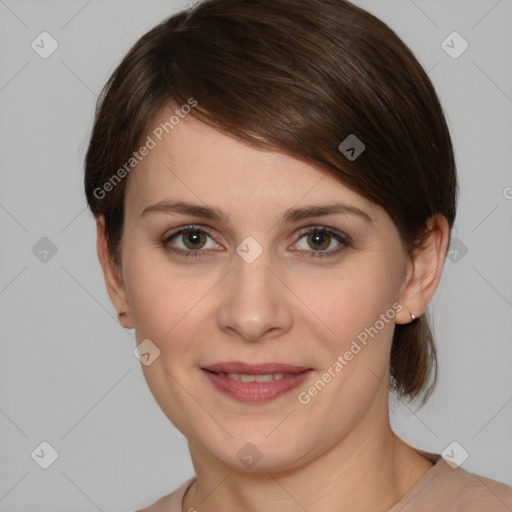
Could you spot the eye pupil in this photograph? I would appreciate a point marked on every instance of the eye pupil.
(193, 238)
(319, 238)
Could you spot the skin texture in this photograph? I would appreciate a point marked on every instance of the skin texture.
(284, 307)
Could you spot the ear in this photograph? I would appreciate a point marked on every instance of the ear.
(425, 270)
(113, 276)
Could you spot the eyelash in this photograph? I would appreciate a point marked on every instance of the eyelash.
(344, 240)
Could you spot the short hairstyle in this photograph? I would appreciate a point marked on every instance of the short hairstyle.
(297, 76)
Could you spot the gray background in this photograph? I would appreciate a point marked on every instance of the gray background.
(68, 373)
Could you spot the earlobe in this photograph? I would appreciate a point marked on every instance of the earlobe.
(426, 269)
(112, 274)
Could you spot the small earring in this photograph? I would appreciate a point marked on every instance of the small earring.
(122, 313)
(413, 317)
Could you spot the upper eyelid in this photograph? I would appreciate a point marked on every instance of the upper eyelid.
(338, 235)
(189, 227)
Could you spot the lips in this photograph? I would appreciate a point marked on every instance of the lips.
(255, 383)
(255, 369)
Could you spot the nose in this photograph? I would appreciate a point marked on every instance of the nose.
(254, 302)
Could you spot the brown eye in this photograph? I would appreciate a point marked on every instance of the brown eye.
(319, 240)
(190, 242)
(193, 239)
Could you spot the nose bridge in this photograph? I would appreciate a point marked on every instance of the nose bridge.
(253, 279)
(253, 303)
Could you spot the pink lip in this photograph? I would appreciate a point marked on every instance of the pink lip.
(255, 392)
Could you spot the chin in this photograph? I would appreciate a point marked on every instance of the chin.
(251, 452)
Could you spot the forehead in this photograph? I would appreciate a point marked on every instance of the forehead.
(198, 163)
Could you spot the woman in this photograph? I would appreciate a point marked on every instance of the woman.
(274, 187)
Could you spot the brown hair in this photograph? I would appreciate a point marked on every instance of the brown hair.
(297, 76)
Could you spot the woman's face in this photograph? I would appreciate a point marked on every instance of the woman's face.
(254, 287)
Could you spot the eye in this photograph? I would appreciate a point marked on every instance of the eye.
(194, 242)
(320, 239)
(189, 241)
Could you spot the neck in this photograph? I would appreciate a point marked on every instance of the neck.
(369, 469)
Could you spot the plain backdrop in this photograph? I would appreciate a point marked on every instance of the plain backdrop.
(68, 373)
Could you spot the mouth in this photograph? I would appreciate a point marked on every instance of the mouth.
(255, 383)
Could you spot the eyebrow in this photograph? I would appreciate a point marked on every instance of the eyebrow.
(290, 215)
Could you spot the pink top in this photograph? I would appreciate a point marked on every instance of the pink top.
(441, 489)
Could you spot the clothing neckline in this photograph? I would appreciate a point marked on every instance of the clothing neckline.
(433, 472)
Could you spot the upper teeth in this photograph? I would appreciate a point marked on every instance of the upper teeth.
(258, 378)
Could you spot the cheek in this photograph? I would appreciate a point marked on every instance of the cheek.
(152, 293)
(357, 309)
(350, 301)
(153, 300)
(163, 299)
(164, 305)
